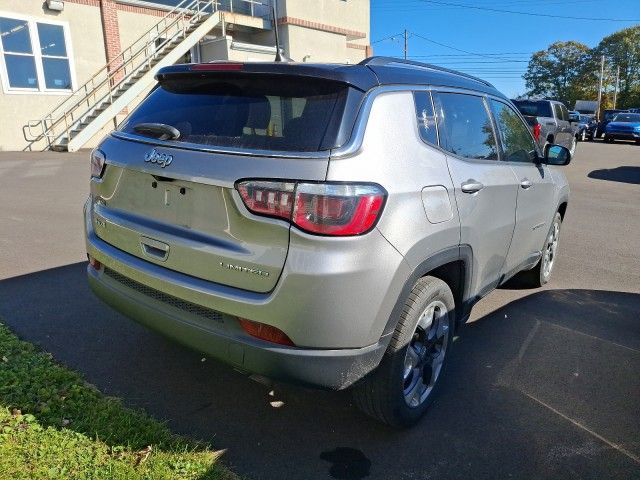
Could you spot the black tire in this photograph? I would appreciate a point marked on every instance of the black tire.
(538, 275)
(381, 394)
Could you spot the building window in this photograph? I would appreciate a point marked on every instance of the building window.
(34, 56)
(55, 60)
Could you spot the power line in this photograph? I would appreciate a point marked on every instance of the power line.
(467, 62)
(546, 15)
(390, 37)
(451, 47)
(481, 53)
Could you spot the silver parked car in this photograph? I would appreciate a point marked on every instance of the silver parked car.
(557, 126)
(330, 225)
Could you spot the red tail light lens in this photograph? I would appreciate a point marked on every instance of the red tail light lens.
(265, 332)
(536, 131)
(330, 209)
(98, 159)
(319, 208)
(273, 199)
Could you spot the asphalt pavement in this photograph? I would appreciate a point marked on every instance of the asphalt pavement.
(541, 383)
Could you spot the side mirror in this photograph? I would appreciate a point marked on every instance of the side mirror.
(574, 118)
(557, 155)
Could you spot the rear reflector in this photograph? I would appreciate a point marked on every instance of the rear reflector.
(222, 67)
(94, 263)
(334, 209)
(265, 332)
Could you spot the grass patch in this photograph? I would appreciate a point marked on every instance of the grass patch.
(53, 425)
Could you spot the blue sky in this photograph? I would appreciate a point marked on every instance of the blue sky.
(493, 45)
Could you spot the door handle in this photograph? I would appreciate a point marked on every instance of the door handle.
(471, 186)
(526, 183)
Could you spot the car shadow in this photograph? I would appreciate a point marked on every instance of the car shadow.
(544, 387)
(618, 174)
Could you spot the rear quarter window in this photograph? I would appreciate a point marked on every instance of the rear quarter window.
(425, 117)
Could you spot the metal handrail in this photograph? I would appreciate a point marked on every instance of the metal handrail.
(115, 72)
(133, 60)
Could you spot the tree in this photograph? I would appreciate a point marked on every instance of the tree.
(622, 49)
(561, 72)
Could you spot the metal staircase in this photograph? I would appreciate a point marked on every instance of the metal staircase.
(82, 115)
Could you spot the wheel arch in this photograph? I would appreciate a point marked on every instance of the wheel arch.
(454, 266)
(562, 208)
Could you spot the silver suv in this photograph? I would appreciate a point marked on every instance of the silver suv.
(329, 225)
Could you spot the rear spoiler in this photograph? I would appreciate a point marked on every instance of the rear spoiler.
(358, 76)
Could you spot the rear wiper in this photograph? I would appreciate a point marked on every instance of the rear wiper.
(160, 131)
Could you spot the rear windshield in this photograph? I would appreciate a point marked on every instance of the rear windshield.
(534, 108)
(247, 112)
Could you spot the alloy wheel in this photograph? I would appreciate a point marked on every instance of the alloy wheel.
(551, 247)
(425, 354)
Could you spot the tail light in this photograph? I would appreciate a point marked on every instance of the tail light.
(97, 163)
(536, 131)
(272, 199)
(265, 332)
(334, 209)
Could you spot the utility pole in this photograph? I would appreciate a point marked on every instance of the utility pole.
(615, 92)
(600, 88)
(406, 43)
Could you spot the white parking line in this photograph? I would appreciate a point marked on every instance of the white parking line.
(613, 445)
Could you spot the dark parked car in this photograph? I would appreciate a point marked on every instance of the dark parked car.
(607, 116)
(587, 125)
(624, 126)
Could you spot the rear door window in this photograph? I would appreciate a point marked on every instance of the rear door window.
(558, 111)
(465, 126)
(247, 112)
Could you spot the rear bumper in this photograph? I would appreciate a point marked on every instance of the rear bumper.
(222, 340)
(338, 323)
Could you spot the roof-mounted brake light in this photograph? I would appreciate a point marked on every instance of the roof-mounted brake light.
(219, 67)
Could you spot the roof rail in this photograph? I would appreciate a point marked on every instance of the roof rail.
(384, 61)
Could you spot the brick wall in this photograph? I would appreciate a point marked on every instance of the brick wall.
(109, 12)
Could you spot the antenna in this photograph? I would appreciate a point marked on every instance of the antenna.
(279, 56)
